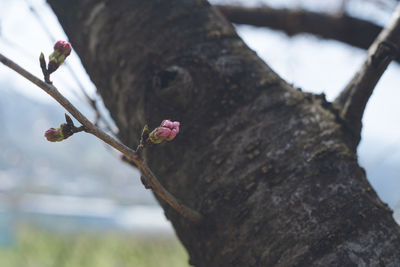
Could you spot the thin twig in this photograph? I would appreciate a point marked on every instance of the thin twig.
(353, 99)
(91, 101)
(156, 186)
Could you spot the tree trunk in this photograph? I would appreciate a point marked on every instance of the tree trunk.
(273, 170)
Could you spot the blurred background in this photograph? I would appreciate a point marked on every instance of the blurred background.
(75, 203)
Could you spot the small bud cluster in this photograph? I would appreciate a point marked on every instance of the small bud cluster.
(166, 131)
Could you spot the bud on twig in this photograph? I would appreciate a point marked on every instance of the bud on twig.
(64, 131)
(62, 49)
(54, 135)
(166, 131)
(42, 61)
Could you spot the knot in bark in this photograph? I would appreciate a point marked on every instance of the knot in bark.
(173, 86)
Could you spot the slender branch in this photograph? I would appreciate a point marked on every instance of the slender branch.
(353, 99)
(353, 31)
(91, 101)
(156, 186)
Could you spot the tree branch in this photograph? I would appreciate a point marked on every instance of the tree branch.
(343, 28)
(353, 99)
(156, 186)
(91, 101)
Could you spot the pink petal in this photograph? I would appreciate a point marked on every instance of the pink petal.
(163, 132)
(176, 124)
(68, 49)
(172, 135)
(58, 45)
(168, 124)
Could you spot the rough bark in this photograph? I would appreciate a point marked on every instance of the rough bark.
(269, 166)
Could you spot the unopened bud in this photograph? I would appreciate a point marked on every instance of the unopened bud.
(166, 131)
(62, 49)
(174, 126)
(42, 61)
(54, 135)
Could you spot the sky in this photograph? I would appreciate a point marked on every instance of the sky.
(313, 64)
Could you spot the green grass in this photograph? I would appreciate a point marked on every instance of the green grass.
(38, 248)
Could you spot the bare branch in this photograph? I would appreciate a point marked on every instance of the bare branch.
(152, 180)
(91, 101)
(353, 99)
(343, 28)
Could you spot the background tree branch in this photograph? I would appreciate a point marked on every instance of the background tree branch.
(341, 27)
(353, 99)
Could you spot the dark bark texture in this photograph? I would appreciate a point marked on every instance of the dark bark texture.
(270, 167)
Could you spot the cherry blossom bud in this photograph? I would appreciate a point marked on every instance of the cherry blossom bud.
(54, 135)
(62, 49)
(166, 131)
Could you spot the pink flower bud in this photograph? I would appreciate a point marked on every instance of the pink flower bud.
(176, 125)
(162, 132)
(54, 135)
(172, 134)
(166, 123)
(62, 49)
(166, 131)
